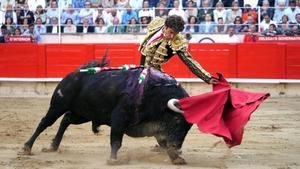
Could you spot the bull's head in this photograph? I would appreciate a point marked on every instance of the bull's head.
(173, 104)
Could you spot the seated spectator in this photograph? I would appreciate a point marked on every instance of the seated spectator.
(36, 38)
(128, 15)
(70, 12)
(232, 38)
(86, 12)
(161, 11)
(40, 13)
(284, 2)
(248, 11)
(63, 4)
(133, 26)
(271, 31)
(114, 13)
(144, 23)
(266, 22)
(18, 32)
(5, 3)
(136, 4)
(3, 35)
(233, 12)
(101, 13)
(292, 10)
(54, 26)
(207, 26)
(27, 14)
(69, 26)
(220, 12)
(191, 10)
(20, 2)
(10, 27)
(297, 19)
(39, 27)
(250, 21)
(24, 26)
(192, 26)
(9, 13)
(52, 11)
(116, 27)
(238, 24)
(86, 27)
(100, 26)
(279, 12)
(122, 4)
(266, 10)
(177, 11)
(18, 11)
(108, 4)
(252, 34)
(284, 26)
(33, 4)
(146, 11)
(221, 27)
(295, 30)
(206, 9)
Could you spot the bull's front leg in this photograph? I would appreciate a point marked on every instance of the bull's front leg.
(118, 126)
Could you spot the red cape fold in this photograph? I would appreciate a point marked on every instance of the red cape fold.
(223, 112)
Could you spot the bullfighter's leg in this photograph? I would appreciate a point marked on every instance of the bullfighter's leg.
(51, 116)
(69, 118)
(119, 123)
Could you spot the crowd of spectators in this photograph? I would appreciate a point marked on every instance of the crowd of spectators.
(268, 17)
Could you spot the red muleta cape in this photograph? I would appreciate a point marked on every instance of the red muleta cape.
(223, 112)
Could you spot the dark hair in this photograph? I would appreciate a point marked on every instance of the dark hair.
(190, 17)
(3, 27)
(70, 20)
(175, 22)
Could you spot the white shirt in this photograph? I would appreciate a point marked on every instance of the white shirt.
(232, 39)
(263, 25)
(136, 4)
(178, 12)
(32, 4)
(146, 12)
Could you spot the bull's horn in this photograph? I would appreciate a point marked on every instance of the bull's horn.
(172, 105)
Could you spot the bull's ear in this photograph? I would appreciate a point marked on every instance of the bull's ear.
(173, 104)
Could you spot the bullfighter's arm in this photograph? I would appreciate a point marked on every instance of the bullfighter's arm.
(194, 66)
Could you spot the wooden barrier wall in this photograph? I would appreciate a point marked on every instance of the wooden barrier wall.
(245, 60)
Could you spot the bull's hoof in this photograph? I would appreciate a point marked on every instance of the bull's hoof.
(179, 161)
(26, 150)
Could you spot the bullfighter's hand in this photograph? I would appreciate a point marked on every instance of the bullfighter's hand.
(214, 80)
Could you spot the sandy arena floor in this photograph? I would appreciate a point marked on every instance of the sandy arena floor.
(271, 141)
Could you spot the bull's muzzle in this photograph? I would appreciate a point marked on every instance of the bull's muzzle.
(173, 104)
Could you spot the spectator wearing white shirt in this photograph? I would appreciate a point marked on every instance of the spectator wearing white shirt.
(146, 11)
(52, 11)
(291, 11)
(233, 12)
(266, 23)
(87, 12)
(220, 12)
(136, 4)
(69, 26)
(101, 13)
(232, 38)
(39, 27)
(279, 12)
(4, 4)
(34, 3)
(191, 10)
(177, 11)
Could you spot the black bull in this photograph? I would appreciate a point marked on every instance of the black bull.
(115, 98)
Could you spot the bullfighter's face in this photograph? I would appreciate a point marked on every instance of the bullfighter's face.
(169, 33)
